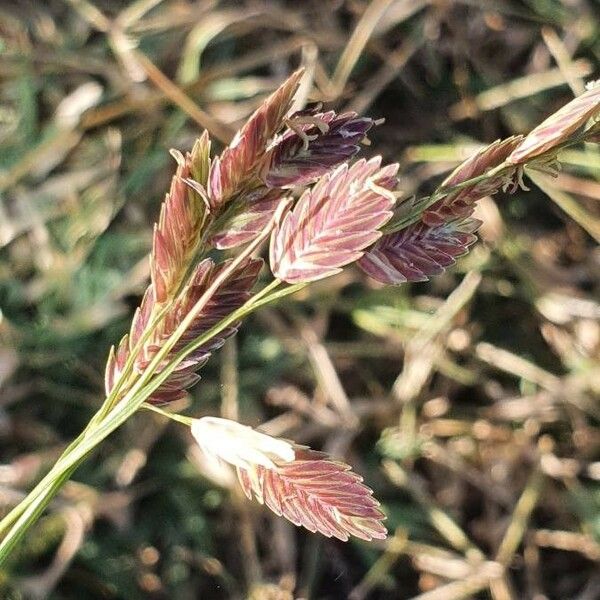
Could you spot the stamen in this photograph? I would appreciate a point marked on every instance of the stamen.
(391, 194)
(305, 137)
(520, 181)
(509, 185)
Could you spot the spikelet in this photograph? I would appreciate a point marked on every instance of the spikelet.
(319, 494)
(236, 168)
(248, 217)
(175, 242)
(182, 217)
(301, 155)
(333, 222)
(306, 487)
(229, 296)
(318, 143)
(559, 127)
(460, 203)
(418, 251)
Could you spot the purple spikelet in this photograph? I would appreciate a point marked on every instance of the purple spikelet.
(249, 219)
(235, 168)
(231, 295)
(558, 127)
(318, 493)
(333, 222)
(318, 143)
(182, 217)
(419, 251)
(460, 204)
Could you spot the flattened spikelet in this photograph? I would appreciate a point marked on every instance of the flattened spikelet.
(333, 222)
(231, 295)
(249, 221)
(418, 251)
(460, 204)
(236, 165)
(302, 156)
(558, 127)
(182, 216)
(317, 493)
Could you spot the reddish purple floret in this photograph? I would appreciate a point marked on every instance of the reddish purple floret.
(318, 493)
(297, 160)
(230, 296)
(418, 251)
(333, 222)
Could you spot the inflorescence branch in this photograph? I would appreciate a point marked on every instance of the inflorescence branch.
(290, 178)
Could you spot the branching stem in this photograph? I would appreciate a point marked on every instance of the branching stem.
(116, 410)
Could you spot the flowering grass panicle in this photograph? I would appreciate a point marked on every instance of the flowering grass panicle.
(231, 295)
(176, 240)
(311, 145)
(445, 230)
(318, 493)
(338, 219)
(344, 212)
(224, 204)
(192, 210)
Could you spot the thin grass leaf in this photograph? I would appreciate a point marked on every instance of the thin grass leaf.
(419, 251)
(334, 222)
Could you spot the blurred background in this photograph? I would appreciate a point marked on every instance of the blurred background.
(469, 403)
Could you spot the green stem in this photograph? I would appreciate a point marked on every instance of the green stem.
(23, 516)
(416, 211)
(127, 371)
(173, 416)
(18, 510)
